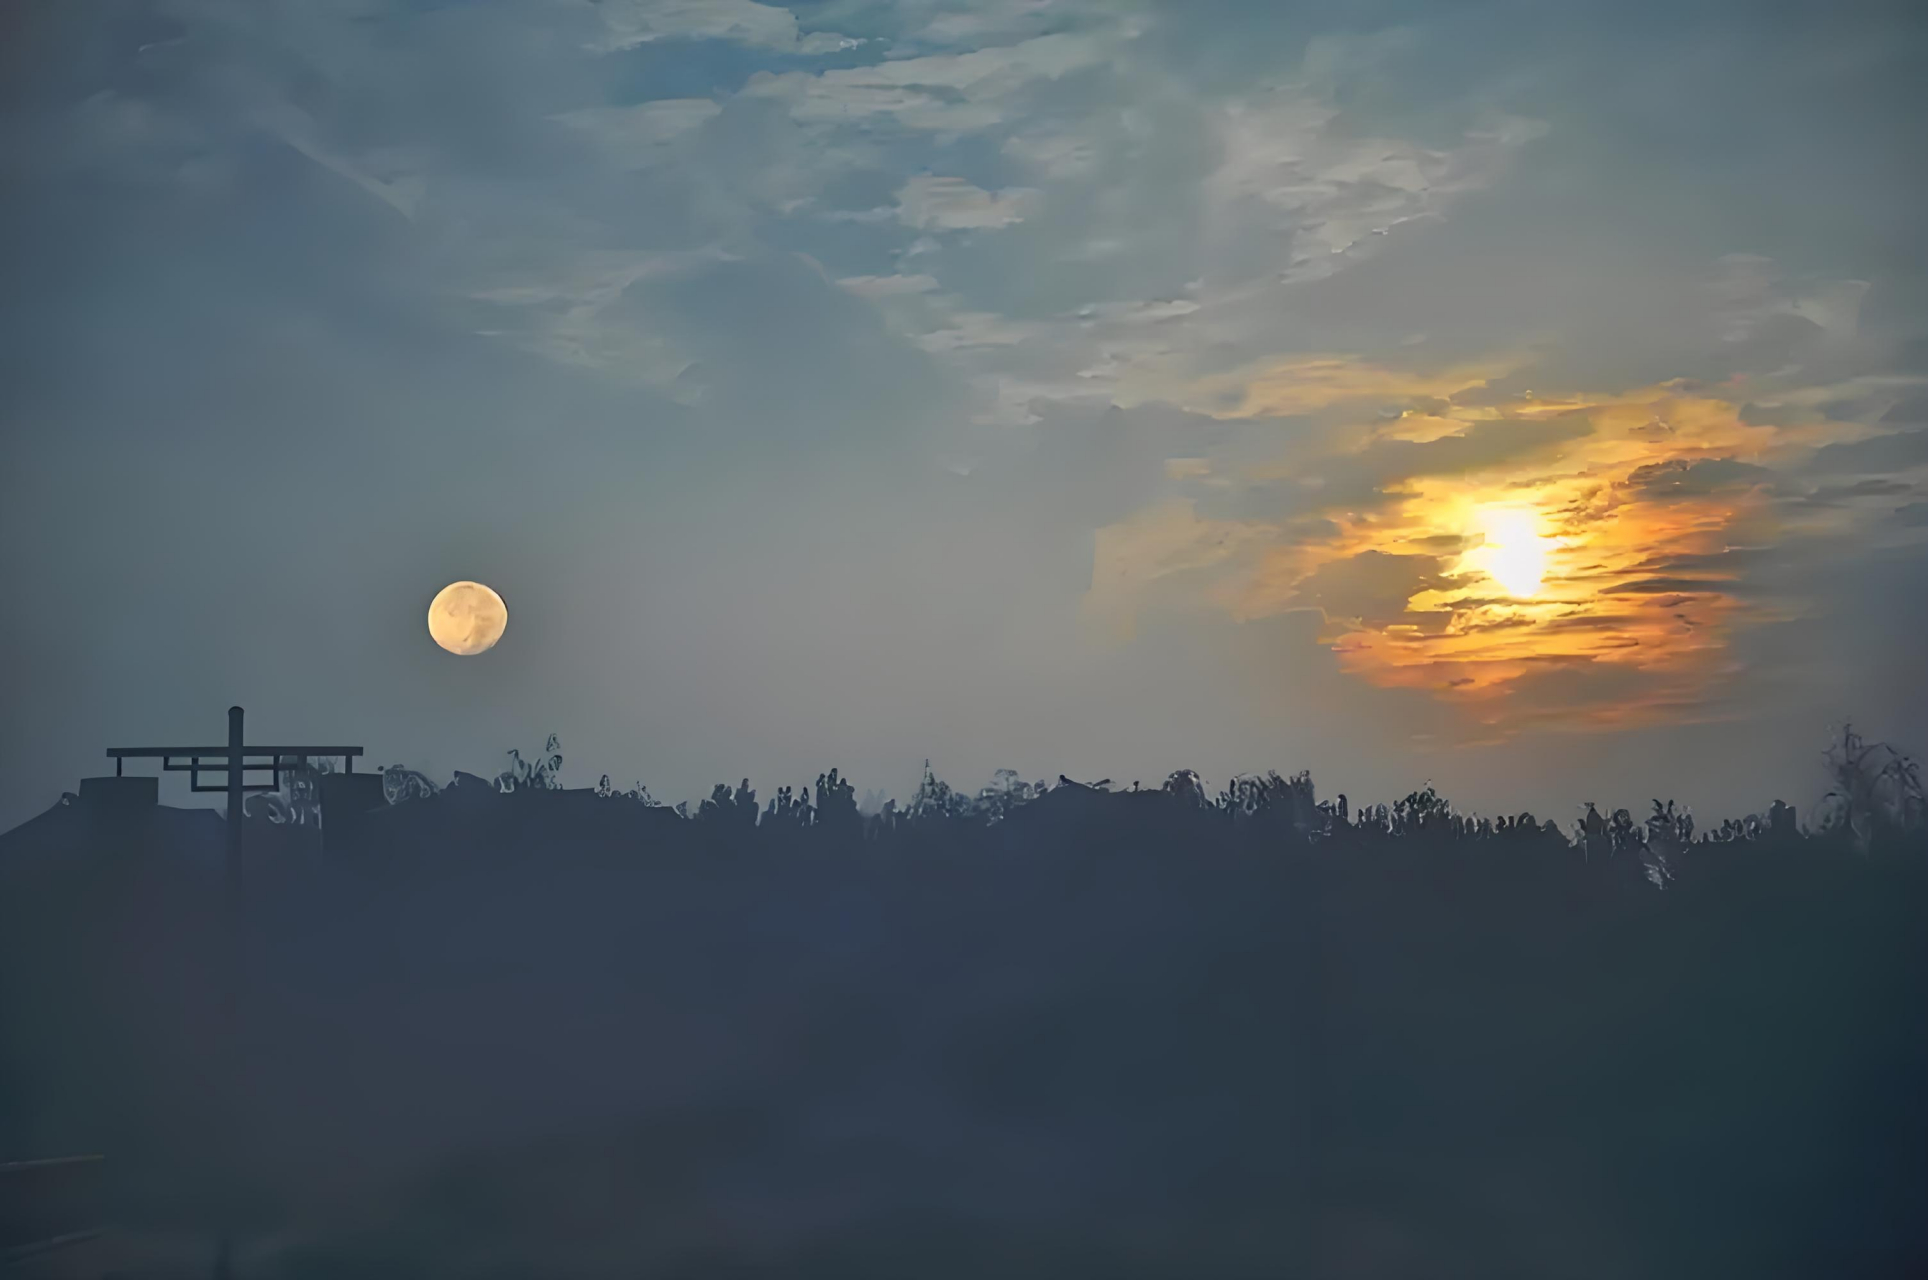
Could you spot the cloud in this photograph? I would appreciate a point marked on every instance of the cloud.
(960, 92)
(1753, 293)
(574, 311)
(1694, 477)
(929, 202)
(1168, 540)
(875, 287)
(1483, 446)
(1908, 410)
(629, 23)
(1668, 586)
(1335, 192)
(969, 329)
(401, 191)
(1371, 586)
(1884, 452)
(1055, 154)
(1281, 304)
(1137, 311)
(985, 21)
(1874, 487)
(1634, 504)
(1304, 384)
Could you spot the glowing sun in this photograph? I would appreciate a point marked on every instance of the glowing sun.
(1514, 551)
(467, 618)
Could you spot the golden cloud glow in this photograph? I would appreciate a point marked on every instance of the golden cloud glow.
(1570, 571)
(1573, 560)
(1513, 549)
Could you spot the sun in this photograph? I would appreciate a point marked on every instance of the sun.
(1513, 552)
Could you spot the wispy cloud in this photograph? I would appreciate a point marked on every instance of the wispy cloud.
(950, 92)
(628, 23)
(1285, 162)
(1201, 323)
(561, 312)
(930, 202)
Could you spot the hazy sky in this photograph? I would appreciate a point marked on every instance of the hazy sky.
(1530, 397)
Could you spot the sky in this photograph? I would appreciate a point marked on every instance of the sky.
(1528, 398)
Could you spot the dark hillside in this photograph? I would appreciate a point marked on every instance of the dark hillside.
(557, 1034)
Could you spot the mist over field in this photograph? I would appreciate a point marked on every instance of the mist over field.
(555, 1034)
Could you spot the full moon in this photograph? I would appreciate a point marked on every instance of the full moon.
(467, 618)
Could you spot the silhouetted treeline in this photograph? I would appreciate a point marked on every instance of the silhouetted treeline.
(1876, 800)
(498, 1028)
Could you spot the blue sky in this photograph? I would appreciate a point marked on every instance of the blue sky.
(1100, 388)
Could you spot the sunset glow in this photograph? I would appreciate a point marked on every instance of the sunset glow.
(1089, 385)
(1538, 561)
(1513, 550)
(1598, 566)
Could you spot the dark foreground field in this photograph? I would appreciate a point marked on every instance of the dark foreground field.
(543, 1037)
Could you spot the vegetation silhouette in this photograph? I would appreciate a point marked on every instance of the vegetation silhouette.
(500, 1027)
(1876, 797)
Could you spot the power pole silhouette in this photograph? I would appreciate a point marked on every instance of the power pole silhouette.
(232, 760)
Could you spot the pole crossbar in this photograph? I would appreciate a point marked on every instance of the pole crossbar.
(152, 753)
(230, 762)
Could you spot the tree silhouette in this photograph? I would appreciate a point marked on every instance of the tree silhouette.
(1876, 795)
(1877, 789)
(837, 804)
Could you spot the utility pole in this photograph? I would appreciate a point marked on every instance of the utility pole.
(236, 756)
(233, 760)
(232, 935)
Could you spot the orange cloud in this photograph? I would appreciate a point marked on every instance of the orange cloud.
(1590, 576)
(1558, 562)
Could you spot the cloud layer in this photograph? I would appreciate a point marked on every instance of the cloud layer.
(1130, 385)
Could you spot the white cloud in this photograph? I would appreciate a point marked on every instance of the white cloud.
(628, 23)
(984, 22)
(881, 214)
(1056, 154)
(818, 43)
(950, 204)
(1331, 191)
(1137, 312)
(968, 329)
(874, 287)
(560, 311)
(960, 91)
